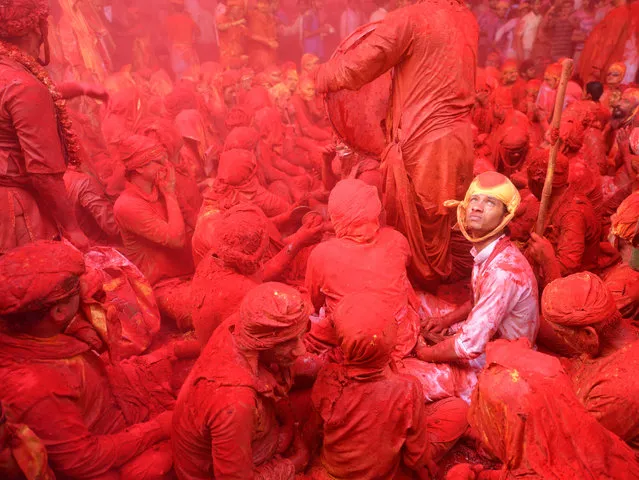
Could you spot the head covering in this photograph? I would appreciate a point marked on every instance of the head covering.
(515, 137)
(164, 131)
(137, 151)
(244, 138)
(367, 332)
(553, 70)
(271, 314)
(269, 123)
(578, 300)
(354, 208)
(240, 238)
(618, 67)
(494, 185)
(236, 167)
(19, 17)
(538, 168)
(38, 275)
(257, 97)
(624, 221)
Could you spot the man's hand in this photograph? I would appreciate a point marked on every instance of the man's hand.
(166, 180)
(540, 249)
(78, 239)
(98, 92)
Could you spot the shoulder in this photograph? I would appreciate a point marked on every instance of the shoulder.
(15, 79)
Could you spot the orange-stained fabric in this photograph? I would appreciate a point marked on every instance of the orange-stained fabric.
(624, 221)
(432, 95)
(363, 400)
(23, 455)
(623, 283)
(225, 423)
(589, 301)
(354, 209)
(36, 276)
(525, 411)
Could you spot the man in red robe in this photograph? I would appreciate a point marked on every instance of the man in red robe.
(58, 386)
(36, 141)
(432, 47)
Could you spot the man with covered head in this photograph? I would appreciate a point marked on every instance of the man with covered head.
(57, 385)
(36, 138)
(152, 226)
(504, 300)
(583, 313)
(228, 420)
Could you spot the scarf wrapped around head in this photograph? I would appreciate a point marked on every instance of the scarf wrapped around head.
(244, 138)
(271, 314)
(624, 221)
(19, 17)
(494, 185)
(367, 332)
(354, 208)
(237, 166)
(538, 168)
(578, 300)
(164, 132)
(241, 238)
(38, 275)
(138, 151)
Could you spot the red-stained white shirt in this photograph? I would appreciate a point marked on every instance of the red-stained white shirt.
(506, 303)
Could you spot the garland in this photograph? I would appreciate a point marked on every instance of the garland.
(70, 143)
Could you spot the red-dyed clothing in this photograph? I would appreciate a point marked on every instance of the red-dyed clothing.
(623, 283)
(263, 25)
(526, 413)
(29, 144)
(609, 390)
(93, 210)
(231, 43)
(147, 241)
(58, 387)
(375, 428)
(181, 29)
(433, 49)
(304, 118)
(225, 425)
(341, 266)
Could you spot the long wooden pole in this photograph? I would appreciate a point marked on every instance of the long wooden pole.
(566, 72)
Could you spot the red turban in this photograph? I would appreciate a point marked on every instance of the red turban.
(271, 314)
(38, 275)
(538, 168)
(624, 221)
(236, 167)
(354, 208)
(240, 238)
(163, 131)
(19, 17)
(578, 300)
(515, 137)
(367, 332)
(245, 138)
(138, 151)
(257, 98)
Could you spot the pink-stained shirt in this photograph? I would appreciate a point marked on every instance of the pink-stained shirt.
(506, 303)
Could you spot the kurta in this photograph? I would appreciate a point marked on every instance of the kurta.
(433, 50)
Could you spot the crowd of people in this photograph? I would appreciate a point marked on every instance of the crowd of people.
(233, 246)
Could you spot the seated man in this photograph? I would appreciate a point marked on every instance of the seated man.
(152, 227)
(504, 302)
(57, 385)
(362, 400)
(582, 311)
(227, 417)
(527, 415)
(363, 257)
(572, 230)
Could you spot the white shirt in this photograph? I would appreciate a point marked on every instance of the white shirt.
(529, 26)
(506, 303)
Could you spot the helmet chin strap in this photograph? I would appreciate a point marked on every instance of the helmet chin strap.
(44, 31)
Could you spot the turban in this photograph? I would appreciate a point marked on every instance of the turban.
(515, 137)
(578, 300)
(538, 168)
(494, 185)
(240, 238)
(163, 131)
(245, 138)
(367, 331)
(19, 17)
(236, 167)
(624, 221)
(36, 276)
(553, 70)
(183, 97)
(354, 208)
(271, 314)
(138, 151)
(191, 125)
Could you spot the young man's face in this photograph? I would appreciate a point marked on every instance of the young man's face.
(285, 353)
(484, 214)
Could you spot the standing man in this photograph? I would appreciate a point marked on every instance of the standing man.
(432, 48)
(36, 140)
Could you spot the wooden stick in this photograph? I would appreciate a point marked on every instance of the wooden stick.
(566, 72)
